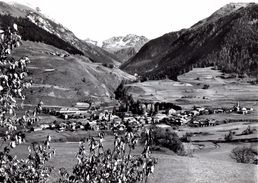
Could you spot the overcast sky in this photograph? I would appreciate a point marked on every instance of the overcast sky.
(102, 19)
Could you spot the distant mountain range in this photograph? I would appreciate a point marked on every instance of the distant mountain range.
(227, 39)
(124, 47)
(64, 68)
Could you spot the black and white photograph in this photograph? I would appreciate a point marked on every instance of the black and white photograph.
(128, 91)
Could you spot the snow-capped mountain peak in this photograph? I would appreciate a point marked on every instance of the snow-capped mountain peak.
(119, 42)
(124, 47)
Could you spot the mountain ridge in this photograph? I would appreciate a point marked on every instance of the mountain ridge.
(63, 68)
(94, 53)
(228, 42)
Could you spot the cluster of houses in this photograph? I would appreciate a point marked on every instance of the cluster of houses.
(63, 125)
(80, 117)
(188, 116)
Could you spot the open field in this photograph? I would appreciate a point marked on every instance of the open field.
(210, 165)
(209, 159)
(217, 133)
(202, 170)
(189, 90)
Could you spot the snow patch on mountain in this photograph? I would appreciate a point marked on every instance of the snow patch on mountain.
(90, 41)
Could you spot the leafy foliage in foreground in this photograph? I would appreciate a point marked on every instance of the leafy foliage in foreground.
(99, 165)
(12, 83)
(117, 165)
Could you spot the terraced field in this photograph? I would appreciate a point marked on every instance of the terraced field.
(201, 87)
(60, 80)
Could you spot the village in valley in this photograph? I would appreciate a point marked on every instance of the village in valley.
(81, 117)
(178, 108)
(201, 125)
